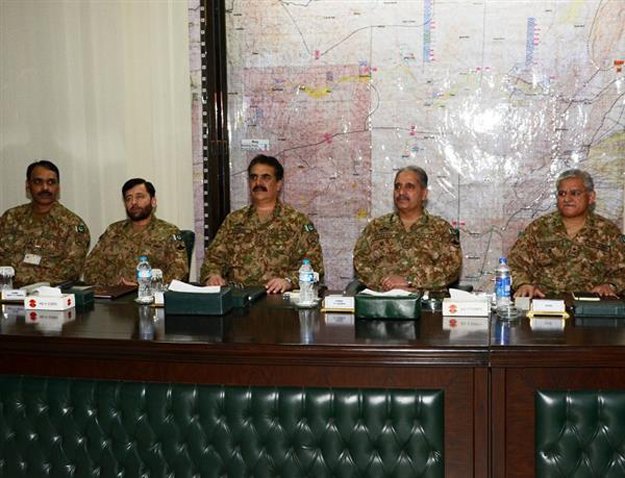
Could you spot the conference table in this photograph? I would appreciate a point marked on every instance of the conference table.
(488, 371)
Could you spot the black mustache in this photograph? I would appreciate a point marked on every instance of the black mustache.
(259, 188)
(402, 197)
(44, 193)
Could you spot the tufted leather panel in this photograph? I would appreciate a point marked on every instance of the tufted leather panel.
(580, 434)
(82, 428)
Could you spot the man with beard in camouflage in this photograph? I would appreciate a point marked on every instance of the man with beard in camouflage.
(113, 260)
(264, 243)
(570, 250)
(409, 248)
(43, 240)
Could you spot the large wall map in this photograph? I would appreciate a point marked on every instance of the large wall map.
(492, 98)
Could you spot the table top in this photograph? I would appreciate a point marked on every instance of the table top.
(274, 322)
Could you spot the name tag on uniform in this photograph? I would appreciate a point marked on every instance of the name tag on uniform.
(33, 259)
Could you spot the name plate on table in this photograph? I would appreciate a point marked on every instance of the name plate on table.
(406, 306)
(548, 308)
(13, 295)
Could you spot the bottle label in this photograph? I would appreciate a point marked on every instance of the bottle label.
(144, 274)
(306, 277)
(503, 286)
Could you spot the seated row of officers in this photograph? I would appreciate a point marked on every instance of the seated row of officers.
(571, 249)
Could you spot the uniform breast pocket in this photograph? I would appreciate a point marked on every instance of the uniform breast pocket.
(50, 246)
(550, 252)
(241, 248)
(384, 246)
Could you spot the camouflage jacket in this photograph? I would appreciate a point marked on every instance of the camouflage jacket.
(117, 252)
(60, 239)
(544, 255)
(250, 252)
(428, 254)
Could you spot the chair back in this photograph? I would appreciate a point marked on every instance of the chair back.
(188, 238)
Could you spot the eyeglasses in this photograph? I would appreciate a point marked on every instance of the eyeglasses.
(573, 192)
(260, 177)
(41, 182)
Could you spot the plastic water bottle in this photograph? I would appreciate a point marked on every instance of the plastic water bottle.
(503, 285)
(306, 283)
(144, 279)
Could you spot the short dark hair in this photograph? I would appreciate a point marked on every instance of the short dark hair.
(269, 161)
(43, 163)
(131, 183)
(586, 178)
(420, 172)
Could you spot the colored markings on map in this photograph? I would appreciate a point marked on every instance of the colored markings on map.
(428, 12)
(618, 65)
(531, 41)
(327, 137)
(316, 92)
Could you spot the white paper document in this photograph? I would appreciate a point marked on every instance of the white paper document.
(388, 293)
(179, 286)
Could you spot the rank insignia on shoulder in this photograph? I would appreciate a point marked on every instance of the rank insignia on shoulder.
(177, 237)
(623, 238)
(309, 227)
(80, 228)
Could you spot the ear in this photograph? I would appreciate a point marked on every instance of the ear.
(279, 186)
(425, 194)
(592, 197)
(153, 201)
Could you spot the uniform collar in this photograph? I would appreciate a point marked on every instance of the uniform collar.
(53, 212)
(128, 224)
(277, 210)
(424, 219)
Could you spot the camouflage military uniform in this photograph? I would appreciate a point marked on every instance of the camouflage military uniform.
(117, 252)
(60, 239)
(250, 252)
(544, 255)
(428, 254)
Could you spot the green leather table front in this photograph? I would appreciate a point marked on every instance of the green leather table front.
(382, 398)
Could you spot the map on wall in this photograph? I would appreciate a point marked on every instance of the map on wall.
(492, 98)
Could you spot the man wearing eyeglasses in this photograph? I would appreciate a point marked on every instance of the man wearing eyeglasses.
(43, 240)
(265, 242)
(572, 249)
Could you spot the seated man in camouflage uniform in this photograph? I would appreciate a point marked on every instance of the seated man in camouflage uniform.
(113, 260)
(571, 249)
(264, 243)
(42, 240)
(408, 248)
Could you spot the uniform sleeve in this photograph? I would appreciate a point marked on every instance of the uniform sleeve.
(99, 268)
(445, 264)
(76, 247)
(616, 272)
(217, 254)
(308, 247)
(521, 258)
(176, 257)
(366, 270)
(7, 256)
